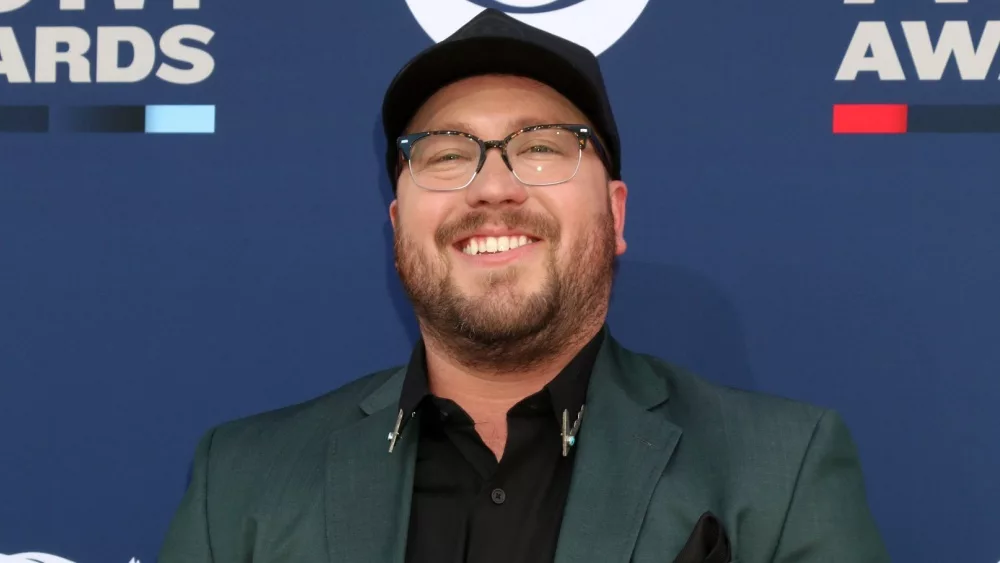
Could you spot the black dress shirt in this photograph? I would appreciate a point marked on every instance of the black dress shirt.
(467, 506)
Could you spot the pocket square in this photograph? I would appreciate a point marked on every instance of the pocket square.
(708, 543)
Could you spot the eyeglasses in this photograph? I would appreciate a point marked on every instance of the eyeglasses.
(540, 155)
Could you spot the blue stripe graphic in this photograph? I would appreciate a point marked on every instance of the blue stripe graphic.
(180, 119)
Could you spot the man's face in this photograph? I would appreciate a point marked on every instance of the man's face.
(546, 269)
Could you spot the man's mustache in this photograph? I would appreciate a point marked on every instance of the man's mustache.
(536, 224)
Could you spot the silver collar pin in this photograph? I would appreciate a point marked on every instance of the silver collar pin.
(569, 434)
(394, 435)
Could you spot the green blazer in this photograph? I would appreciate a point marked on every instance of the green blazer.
(658, 447)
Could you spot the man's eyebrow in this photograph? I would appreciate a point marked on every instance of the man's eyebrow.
(451, 126)
(512, 125)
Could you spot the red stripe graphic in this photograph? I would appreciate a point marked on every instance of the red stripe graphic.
(869, 118)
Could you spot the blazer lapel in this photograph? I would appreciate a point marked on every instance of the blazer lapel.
(368, 489)
(624, 448)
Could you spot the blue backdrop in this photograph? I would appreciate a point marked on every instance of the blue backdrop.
(154, 285)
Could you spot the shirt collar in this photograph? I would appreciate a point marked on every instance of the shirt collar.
(567, 391)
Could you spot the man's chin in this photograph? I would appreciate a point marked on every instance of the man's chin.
(507, 282)
(486, 329)
(504, 310)
(505, 298)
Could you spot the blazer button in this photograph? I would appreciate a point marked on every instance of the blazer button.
(498, 496)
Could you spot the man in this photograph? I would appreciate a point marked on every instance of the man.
(520, 431)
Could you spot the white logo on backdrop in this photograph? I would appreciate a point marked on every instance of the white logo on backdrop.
(39, 558)
(594, 24)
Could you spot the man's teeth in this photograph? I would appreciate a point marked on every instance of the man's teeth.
(483, 245)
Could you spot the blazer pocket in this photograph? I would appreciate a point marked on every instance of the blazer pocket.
(708, 543)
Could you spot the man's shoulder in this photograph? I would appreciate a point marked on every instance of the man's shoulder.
(754, 443)
(301, 422)
(701, 406)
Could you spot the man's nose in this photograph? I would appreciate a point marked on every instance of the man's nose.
(496, 184)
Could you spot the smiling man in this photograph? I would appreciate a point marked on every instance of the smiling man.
(521, 430)
(504, 245)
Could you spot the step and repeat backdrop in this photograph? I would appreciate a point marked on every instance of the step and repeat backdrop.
(194, 228)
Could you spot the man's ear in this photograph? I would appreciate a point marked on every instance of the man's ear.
(394, 213)
(618, 194)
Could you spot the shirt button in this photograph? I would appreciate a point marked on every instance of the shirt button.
(498, 496)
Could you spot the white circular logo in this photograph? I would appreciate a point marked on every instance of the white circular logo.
(32, 558)
(594, 24)
(38, 558)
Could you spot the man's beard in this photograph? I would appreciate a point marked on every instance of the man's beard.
(506, 330)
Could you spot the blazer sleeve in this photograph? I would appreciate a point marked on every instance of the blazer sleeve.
(187, 539)
(828, 519)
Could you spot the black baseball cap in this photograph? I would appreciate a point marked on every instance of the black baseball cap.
(494, 42)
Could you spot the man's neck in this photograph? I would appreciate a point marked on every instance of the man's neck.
(487, 395)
